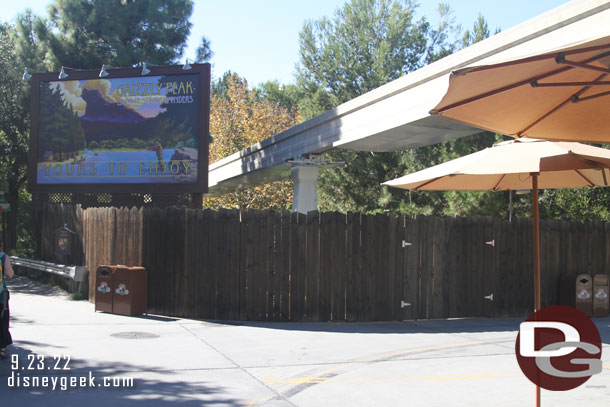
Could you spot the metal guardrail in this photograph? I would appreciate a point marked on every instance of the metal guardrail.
(75, 273)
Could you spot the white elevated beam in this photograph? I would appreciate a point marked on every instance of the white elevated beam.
(395, 117)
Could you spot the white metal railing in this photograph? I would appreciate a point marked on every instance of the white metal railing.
(76, 273)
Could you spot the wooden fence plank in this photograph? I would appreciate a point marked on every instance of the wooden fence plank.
(487, 267)
(380, 273)
(338, 268)
(256, 267)
(606, 248)
(222, 266)
(352, 286)
(205, 270)
(550, 267)
(439, 304)
(325, 281)
(298, 253)
(403, 311)
(525, 266)
(411, 270)
(269, 253)
(284, 266)
(367, 286)
(394, 250)
(233, 285)
(191, 279)
(275, 265)
(424, 269)
(312, 270)
(244, 252)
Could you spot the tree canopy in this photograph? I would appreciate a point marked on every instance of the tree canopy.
(366, 44)
(239, 118)
(14, 127)
(86, 34)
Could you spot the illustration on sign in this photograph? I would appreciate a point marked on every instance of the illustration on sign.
(119, 130)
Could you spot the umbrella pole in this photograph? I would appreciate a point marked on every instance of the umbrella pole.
(536, 242)
(536, 224)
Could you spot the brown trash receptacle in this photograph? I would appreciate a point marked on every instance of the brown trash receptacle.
(584, 297)
(600, 295)
(130, 291)
(104, 283)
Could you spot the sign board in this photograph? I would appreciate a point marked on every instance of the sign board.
(5, 207)
(125, 132)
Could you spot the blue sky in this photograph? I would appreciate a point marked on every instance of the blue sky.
(258, 39)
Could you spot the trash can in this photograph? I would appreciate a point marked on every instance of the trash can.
(584, 297)
(104, 283)
(121, 290)
(600, 295)
(130, 291)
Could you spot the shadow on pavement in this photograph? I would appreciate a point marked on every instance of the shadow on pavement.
(391, 327)
(452, 326)
(144, 392)
(24, 285)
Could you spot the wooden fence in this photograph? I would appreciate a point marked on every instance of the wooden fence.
(281, 266)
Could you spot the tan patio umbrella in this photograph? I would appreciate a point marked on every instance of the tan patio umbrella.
(518, 164)
(558, 95)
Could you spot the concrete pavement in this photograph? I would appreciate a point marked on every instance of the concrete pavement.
(161, 361)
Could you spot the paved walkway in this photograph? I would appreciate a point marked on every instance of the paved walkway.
(181, 362)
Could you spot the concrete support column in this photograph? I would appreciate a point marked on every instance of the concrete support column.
(305, 178)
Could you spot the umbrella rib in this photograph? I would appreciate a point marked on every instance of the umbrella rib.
(587, 180)
(539, 58)
(427, 183)
(536, 84)
(495, 188)
(597, 95)
(520, 83)
(572, 98)
(495, 91)
(604, 175)
(582, 65)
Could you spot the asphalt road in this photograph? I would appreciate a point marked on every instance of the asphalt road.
(70, 355)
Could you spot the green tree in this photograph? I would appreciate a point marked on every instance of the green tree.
(239, 118)
(367, 44)
(286, 96)
(204, 51)
(576, 204)
(14, 127)
(480, 31)
(86, 34)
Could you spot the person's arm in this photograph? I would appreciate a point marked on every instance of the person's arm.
(8, 269)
